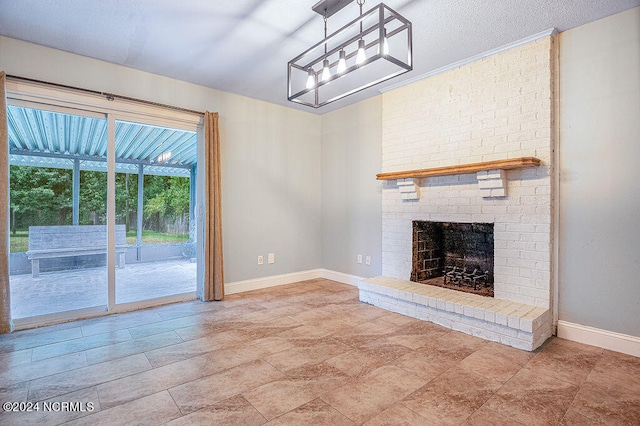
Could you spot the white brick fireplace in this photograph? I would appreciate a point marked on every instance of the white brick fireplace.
(497, 108)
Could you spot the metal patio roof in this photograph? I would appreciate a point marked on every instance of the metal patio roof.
(42, 138)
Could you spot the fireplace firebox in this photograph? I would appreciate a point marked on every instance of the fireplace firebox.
(454, 255)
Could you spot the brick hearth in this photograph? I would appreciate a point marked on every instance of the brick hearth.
(515, 324)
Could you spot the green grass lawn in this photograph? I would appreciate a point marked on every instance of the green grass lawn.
(19, 242)
(153, 237)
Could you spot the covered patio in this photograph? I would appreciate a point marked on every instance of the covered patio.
(62, 139)
(86, 288)
(41, 138)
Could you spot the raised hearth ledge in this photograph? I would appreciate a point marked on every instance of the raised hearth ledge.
(511, 323)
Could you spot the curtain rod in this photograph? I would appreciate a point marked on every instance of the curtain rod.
(108, 96)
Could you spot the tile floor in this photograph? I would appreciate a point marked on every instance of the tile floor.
(304, 354)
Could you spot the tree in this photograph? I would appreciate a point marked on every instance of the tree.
(93, 198)
(166, 198)
(40, 196)
(43, 196)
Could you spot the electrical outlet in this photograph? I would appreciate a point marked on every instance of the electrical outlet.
(359, 258)
(367, 260)
(260, 260)
(271, 258)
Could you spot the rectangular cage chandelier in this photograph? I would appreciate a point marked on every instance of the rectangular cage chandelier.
(373, 48)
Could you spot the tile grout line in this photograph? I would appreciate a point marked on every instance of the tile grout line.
(350, 338)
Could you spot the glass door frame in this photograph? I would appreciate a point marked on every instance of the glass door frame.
(57, 99)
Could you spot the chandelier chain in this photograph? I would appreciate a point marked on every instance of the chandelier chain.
(325, 30)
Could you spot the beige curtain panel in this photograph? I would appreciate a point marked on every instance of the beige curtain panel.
(5, 301)
(213, 266)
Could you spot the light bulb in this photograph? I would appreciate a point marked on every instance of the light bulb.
(164, 156)
(385, 44)
(326, 74)
(311, 79)
(361, 56)
(342, 63)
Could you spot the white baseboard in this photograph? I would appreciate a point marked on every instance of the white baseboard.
(341, 277)
(274, 280)
(617, 342)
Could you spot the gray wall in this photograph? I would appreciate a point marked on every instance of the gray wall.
(351, 195)
(271, 190)
(599, 242)
(270, 156)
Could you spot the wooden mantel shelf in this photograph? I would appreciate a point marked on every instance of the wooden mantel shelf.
(513, 163)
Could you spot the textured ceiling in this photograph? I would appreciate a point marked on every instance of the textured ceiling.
(243, 46)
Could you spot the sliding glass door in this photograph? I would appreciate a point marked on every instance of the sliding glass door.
(102, 212)
(58, 193)
(154, 199)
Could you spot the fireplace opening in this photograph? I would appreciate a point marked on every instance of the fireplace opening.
(453, 255)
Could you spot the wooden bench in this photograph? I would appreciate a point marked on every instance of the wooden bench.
(47, 242)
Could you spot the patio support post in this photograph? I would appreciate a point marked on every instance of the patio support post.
(139, 212)
(192, 204)
(75, 178)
